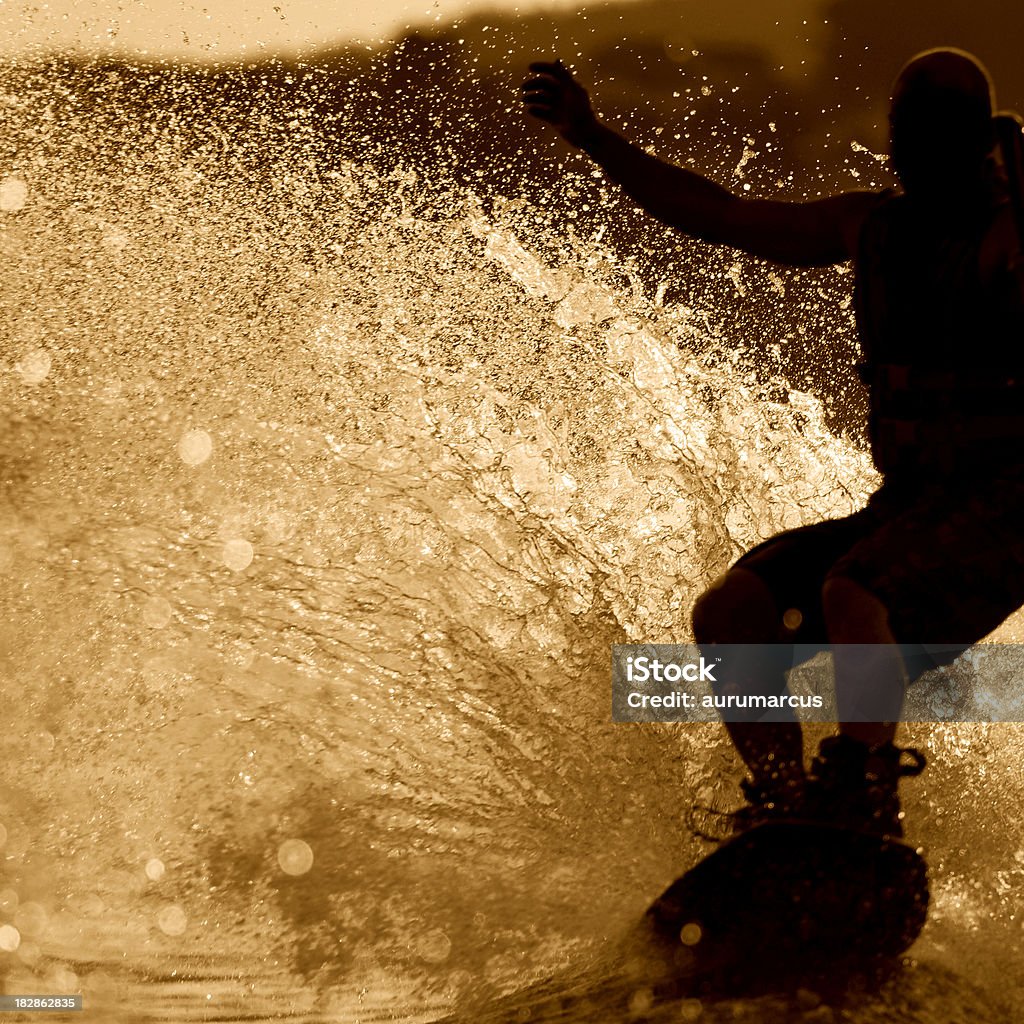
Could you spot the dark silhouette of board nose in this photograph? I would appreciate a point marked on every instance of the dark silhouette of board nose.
(789, 904)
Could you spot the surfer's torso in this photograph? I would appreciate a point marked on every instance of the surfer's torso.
(940, 323)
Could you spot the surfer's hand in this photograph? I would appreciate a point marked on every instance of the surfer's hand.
(553, 95)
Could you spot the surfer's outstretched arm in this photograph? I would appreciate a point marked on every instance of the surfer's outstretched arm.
(798, 234)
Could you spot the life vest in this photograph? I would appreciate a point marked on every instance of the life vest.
(943, 349)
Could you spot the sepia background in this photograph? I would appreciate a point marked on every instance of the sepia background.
(348, 419)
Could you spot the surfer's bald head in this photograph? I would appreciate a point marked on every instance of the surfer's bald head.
(945, 75)
(941, 120)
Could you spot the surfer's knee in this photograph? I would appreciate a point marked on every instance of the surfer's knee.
(738, 608)
(853, 615)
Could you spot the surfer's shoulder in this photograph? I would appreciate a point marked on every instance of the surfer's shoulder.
(860, 206)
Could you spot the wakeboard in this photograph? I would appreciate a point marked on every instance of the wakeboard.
(787, 904)
(782, 907)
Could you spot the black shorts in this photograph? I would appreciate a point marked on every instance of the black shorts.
(946, 558)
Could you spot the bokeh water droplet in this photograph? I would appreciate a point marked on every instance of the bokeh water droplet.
(34, 366)
(62, 979)
(172, 920)
(640, 1002)
(278, 527)
(13, 194)
(195, 447)
(10, 938)
(155, 869)
(690, 1010)
(237, 554)
(434, 946)
(295, 856)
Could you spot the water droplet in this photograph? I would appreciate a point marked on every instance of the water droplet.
(640, 1002)
(93, 905)
(237, 554)
(195, 447)
(31, 919)
(278, 527)
(13, 194)
(792, 618)
(10, 938)
(34, 366)
(295, 857)
(61, 979)
(156, 612)
(172, 920)
(691, 934)
(433, 946)
(690, 1009)
(155, 869)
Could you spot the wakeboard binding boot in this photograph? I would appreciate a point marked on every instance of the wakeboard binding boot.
(854, 785)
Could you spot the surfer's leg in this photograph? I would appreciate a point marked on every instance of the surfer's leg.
(772, 597)
(739, 608)
(855, 776)
(870, 676)
(904, 582)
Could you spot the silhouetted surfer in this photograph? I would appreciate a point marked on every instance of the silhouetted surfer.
(937, 555)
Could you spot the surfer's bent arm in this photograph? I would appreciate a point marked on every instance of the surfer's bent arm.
(798, 234)
(815, 233)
